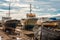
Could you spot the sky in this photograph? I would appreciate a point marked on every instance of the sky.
(19, 8)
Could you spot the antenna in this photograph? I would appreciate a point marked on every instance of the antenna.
(30, 8)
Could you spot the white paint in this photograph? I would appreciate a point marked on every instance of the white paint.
(19, 38)
(0, 38)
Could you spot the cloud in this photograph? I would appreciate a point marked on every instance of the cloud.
(38, 10)
(20, 5)
(2, 14)
(45, 15)
(18, 16)
(43, 3)
(51, 9)
(29, 0)
(4, 4)
(14, 14)
(19, 8)
(54, 0)
(49, 15)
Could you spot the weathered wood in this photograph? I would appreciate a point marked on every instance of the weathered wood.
(48, 34)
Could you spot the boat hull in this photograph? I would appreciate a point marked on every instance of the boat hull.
(48, 34)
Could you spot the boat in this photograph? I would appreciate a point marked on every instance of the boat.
(30, 21)
(10, 25)
(50, 30)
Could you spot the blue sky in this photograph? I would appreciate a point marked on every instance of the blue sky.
(19, 8)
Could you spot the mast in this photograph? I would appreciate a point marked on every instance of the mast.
(9, 9)
(30, 14)
(30, 8)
